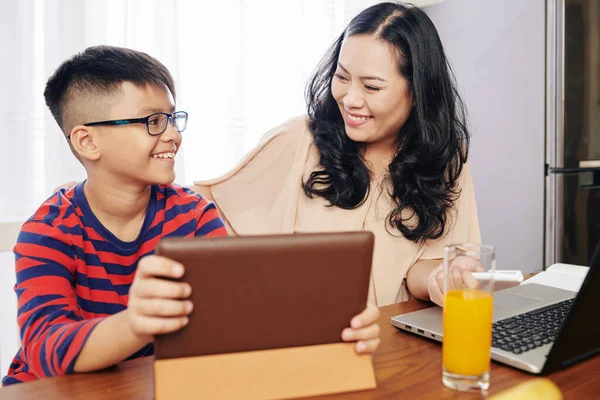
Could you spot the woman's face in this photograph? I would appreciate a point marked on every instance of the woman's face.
(373, 97)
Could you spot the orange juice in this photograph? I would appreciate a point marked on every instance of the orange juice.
(467, 332)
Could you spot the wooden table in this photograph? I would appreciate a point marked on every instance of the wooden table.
(406, 366)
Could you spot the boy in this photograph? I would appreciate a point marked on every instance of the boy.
(80, 307)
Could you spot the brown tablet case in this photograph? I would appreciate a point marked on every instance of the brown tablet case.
(266, 307)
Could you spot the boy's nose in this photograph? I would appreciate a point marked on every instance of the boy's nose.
(170, 134)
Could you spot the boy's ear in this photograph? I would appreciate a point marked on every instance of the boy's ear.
(82, 142)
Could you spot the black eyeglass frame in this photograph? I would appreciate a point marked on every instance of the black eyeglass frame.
(144, 120)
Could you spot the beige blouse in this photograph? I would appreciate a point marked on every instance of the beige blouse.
(263, 195)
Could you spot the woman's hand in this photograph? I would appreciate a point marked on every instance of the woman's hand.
(364, 330)
(461, 277)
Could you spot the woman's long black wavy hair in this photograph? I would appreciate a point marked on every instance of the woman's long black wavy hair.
(434, 141)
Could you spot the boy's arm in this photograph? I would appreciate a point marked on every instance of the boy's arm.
(56, 338)
(52, 327)
(156, 306)
(111, 342)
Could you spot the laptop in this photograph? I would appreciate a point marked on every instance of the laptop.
(536, 328)
(266, 292)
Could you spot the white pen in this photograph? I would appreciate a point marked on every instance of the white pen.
(500, 276)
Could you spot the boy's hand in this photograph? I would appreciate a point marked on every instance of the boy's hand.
(364, 330)
(157, 305)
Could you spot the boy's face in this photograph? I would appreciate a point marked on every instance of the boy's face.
(128, 152)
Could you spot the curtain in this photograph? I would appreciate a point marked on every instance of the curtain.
(240, 69)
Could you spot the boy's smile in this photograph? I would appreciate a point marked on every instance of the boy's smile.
(164, 156)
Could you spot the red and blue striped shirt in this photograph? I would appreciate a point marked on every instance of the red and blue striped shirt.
(72, 272)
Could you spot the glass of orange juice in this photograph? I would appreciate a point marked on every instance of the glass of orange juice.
(468, 305)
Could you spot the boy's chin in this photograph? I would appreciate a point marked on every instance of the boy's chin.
(166, 179)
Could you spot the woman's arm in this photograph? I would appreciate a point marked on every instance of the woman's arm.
(425, 279)
(205, 191)
(417, 278)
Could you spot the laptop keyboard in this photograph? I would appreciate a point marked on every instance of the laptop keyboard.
(530, 330)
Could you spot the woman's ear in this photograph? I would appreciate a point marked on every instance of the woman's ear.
(83, 145)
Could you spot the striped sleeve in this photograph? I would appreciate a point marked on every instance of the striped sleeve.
(208, 222)
(52, 328)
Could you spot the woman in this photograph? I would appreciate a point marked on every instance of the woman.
(384, 148)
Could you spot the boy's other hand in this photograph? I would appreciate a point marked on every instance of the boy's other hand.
(364, 330)
(156, 305)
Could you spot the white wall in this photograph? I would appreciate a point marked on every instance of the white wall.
(497, 51)
(8, 235)
(353, 7)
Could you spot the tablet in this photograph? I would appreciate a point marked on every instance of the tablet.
(266, 292)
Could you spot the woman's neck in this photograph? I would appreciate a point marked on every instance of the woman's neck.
(378, 156)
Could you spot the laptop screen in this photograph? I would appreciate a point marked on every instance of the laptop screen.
(580, 336)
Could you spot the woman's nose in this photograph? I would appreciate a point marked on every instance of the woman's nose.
(354, 98)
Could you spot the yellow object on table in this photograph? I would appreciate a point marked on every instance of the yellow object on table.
(538, 388)
(467, 332)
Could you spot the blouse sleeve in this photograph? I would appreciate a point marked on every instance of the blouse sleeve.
(253, 198)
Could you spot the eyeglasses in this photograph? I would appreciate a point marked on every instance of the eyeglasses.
(155, 123)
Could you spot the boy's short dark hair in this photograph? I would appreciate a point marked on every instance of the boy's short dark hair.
(98, 71)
